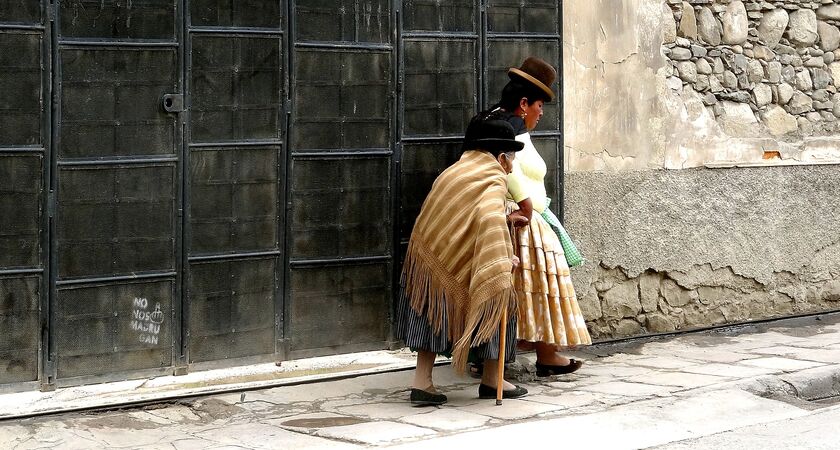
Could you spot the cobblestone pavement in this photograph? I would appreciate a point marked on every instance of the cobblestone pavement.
(627, 395)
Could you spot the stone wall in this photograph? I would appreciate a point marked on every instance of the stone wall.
(726, 234)
(760, 66)
(673, 250)
(627, 108)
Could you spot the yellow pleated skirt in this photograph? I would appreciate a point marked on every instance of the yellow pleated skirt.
(547, 305)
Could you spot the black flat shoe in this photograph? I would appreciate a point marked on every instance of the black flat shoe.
(547, 370)
(485, 391)
(420, 397)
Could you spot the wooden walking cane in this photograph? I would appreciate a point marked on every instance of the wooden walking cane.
(500, 383)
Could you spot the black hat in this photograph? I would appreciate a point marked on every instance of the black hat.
(537, 72)
(491, 134)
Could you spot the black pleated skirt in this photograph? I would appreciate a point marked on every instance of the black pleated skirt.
(414, 329)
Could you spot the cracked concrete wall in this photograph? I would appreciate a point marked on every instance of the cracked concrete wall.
(622, 111)
(669, 250)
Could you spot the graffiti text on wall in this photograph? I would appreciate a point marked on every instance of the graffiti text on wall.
(145, 323)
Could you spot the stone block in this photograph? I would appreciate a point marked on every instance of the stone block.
(698, 51)
(755, 71)
(737, 118)
(702, 83)
(773, 72)
(778, 363)
(772, 26)
(590, 305)
(764, 53)
(816, 61)
(703, 67)
(789, 74)
(680, 54)
(762, 94)
(649, 291)
(669, 25)
(718, 67)
(375, 433)
(829, 12)
(821, 78)
(735, 23)
(674, 294)
(831, 291)
(730, 81)
(714, 84)
(829, 36)
(834, 71)
(627, 327)
(622, 300)
(628, 389)
(778, 121)
(802, 28)
(688, 22)
(708, 28)
(821, 95)
(659, 323)
(803, 80)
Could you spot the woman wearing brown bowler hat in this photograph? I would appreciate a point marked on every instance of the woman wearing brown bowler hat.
(549, 316)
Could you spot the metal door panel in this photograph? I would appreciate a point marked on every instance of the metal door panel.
(20, 202)
(235, 88)
(341, 99)
(113, 19)
(339, 307)
(20, 88)
(19, 322)
(112, 328)
(238, 13)
(111, 102)
(234, 199)
(230, 305)
(116, 220)
(20, 11)
(343, 20)
(440, 86)
(523, 16)
(340, 208)
(435, 15)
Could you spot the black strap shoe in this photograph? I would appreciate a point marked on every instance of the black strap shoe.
(485, 391)
(547, 370)
(420, 397)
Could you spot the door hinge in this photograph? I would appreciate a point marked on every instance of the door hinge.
(51, 204)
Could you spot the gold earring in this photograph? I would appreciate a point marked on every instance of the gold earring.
(523, 115)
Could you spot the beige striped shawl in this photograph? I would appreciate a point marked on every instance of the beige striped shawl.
(459, 255)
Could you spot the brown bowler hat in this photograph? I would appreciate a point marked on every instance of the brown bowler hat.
(537, 72)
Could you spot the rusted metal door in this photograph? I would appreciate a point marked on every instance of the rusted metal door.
(194, 183)
(115, 194)
(24, 144)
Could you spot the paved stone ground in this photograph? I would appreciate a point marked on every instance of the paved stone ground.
(629, 395)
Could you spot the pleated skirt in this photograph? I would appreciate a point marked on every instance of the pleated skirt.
(547, 305)
(416, 332)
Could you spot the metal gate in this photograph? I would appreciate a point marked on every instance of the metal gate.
(192, 183)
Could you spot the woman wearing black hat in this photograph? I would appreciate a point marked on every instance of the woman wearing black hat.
(456, 282)
(549, 316)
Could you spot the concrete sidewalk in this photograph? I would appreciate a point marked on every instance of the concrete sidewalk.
(628, 395)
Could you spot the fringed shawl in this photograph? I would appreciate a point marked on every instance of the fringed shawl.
(459, 255)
